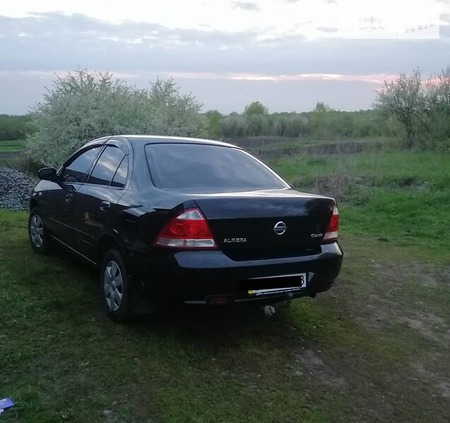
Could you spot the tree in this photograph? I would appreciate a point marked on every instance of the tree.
(290, 125)
(171, 113)
(84, 105)
(255, 108)
(233, 126)
(403, 99)
(322, 107)
(437, 108)
(256, 119)
(214, 118)
(422, 109)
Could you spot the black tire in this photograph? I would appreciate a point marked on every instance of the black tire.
(38, 234)
(115, 287)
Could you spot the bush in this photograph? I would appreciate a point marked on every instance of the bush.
(86, 105)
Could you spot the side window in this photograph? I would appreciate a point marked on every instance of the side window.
(78, 170)
(106, 166)
(120, 178)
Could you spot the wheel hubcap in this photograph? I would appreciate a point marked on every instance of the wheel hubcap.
(37, 231)
(113, 285)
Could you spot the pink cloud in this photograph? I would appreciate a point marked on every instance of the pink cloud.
(370, 78)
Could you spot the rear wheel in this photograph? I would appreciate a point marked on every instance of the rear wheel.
(115, 287)
(38, 233)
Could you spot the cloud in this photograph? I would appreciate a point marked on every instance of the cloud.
(371, 23)
(45, 42)
(245, 5)
(326, 29)
(418, 28)
(371, 20)
(55, 25)
(371, 78)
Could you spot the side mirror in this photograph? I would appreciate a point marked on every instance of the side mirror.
(48, 174)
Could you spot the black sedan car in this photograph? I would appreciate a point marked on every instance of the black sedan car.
(183, 220)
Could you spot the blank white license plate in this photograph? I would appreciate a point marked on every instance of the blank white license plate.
(301, 279)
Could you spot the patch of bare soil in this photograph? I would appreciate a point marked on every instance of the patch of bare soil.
(425, 374)
(406, 305)
(426, 275)
(412, 297)
(395, 299)
(310, 362)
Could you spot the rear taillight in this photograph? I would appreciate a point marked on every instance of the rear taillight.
(333, 227)
(187, 230)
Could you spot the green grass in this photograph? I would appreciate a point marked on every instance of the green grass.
(347, 356)
(13, 145)
(385, 166)
(372, 349)
(10, 152)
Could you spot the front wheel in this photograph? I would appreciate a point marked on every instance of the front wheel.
(37, 232)
(115, 287)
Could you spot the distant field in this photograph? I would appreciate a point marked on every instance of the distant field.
(273, 148)
(10, 152)
(13, 145)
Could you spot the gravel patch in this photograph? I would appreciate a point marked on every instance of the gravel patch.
(15, 189)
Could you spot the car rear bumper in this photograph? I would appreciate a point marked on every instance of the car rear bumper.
(210, 277)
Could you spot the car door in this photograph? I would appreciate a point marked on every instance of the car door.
(70, 178)
(95, 201)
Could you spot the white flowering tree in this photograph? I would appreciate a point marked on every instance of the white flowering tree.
(421, 109)
(85, 105)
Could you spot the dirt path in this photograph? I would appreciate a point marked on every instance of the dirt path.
(394, 366)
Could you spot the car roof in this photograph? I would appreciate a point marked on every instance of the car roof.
(153, 139)
(163, 139)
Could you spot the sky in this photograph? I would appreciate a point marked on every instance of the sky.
(287, 54)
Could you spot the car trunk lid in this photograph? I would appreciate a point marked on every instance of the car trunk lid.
(264, 224)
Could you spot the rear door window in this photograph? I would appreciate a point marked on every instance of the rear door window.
(120, 178)
(106, 166)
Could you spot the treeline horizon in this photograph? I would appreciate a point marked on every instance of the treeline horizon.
(411, 109)
(14, 127)
(321, 123)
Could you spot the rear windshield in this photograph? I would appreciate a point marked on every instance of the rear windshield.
(208, 168)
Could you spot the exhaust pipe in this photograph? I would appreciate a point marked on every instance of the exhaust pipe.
(269, 310)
